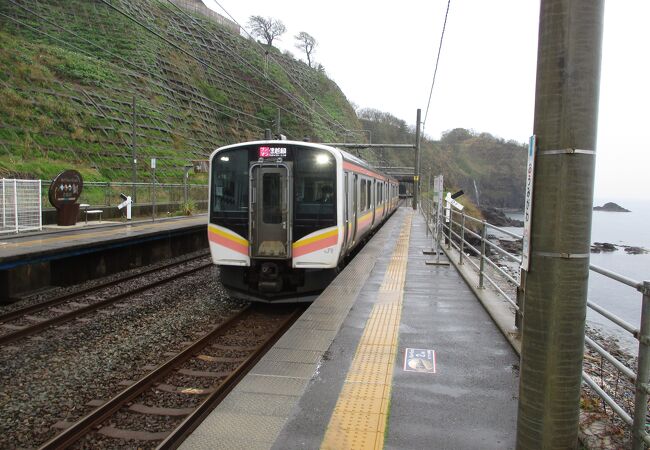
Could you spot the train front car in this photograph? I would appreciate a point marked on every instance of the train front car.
(275, 216)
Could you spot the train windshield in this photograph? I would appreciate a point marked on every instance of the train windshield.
(230, 182)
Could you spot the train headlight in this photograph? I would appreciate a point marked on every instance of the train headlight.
(225, 158)
(322, 159)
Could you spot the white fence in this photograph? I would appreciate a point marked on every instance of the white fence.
(20, 205)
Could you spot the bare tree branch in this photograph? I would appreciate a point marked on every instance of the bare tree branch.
(266, 28)
(306, 43)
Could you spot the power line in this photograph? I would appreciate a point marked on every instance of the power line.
(442, 35)
(138, 68)
(202, 62)
(276, 85)
(280, 65)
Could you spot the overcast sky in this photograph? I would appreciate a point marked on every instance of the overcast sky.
(382, 55)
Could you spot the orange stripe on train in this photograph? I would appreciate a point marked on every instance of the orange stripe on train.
(232, 242)
(315, 243)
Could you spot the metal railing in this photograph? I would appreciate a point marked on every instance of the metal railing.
(454, 228)
(104, 194)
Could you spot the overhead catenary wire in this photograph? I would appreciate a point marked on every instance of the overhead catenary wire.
(435, 71)
(130, 63)
(205, 63)
(280, 65)
(291, 96)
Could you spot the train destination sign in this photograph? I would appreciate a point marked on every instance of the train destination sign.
(419, 360)
(272, 152)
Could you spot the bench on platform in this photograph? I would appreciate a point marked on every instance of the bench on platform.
(85, 207)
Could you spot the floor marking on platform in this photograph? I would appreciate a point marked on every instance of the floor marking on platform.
(359, 418)
(419, 360)
(112, 231)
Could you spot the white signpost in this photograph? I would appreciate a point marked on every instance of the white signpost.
(528, 204)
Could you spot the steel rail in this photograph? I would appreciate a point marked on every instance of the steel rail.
(192, 421)
(90, 308)
(65, 297)
(87, 423)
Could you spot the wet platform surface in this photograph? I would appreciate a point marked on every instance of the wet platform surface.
(60, 242)
(337, 379)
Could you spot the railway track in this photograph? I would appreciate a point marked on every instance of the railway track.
(161, 409)
(39, 323)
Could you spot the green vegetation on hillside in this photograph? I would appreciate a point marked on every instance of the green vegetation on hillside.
(469, 161)
(70, 71)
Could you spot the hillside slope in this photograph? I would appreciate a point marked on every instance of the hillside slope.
(490, 170)
(71, 70)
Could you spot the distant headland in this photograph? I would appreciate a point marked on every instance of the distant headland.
(611, 207)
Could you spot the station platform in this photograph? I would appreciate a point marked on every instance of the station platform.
(393, 354)
(66, 255)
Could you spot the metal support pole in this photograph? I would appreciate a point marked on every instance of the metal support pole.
(40, 207)
(186, 196)
(482, 261)
(277, 124)
(153, 194)
(521, 299)
(16, 205)
(416, 177)
(566, 114)
(4, 202)
(134, 157)
(451, 225)
(643, 373)
(462, 237)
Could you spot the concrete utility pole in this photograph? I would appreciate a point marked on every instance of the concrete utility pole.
(134, 157)
(566, 110)
(416, 177)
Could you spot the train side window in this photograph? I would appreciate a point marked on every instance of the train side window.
(363, 200)
(369, 195)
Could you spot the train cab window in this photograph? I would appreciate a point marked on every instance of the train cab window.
(230, 182)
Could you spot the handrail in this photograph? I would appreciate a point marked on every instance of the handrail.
(456, 233)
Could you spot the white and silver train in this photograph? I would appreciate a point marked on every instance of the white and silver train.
(284, 215)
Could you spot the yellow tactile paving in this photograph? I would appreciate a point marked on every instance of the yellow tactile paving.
(359, 418)
(111, 231)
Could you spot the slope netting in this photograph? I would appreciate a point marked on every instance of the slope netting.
(91, 79)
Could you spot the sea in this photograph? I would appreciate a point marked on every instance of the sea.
(632, 229)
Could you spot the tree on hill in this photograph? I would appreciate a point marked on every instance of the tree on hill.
(266, 28)
(306, 42)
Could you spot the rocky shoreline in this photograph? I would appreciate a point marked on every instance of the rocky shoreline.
(606, 247)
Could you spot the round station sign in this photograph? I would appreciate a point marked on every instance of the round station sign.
(66, 188)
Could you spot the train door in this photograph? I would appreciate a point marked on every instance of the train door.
(269, 212)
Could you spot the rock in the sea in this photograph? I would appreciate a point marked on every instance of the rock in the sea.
(631, 250)
(611, 207)
(598, 247)
(498, 218)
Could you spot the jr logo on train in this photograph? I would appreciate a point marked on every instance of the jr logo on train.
(284, 215)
